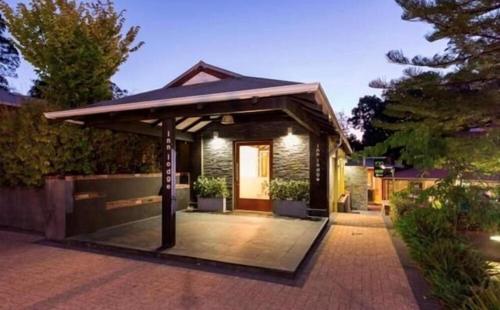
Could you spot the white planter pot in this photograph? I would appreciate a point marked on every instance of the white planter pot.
(290, 208)
(212, 204)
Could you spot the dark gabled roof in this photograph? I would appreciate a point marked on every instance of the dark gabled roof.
(202, 67)
(11, 99)
(205, 84)
(221, 86)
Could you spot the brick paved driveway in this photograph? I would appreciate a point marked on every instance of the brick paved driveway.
(355, 267)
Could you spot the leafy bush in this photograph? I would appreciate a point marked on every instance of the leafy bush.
(485, 298)
(421, 227)
(401, 203)
(453, 268)
(31, 148)
(470, 205)
(208, 187)
(297, 190)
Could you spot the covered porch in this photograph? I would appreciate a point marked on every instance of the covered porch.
(203, 118)
(258, 241)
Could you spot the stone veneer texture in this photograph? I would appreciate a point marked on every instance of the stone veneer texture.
(356, 182)
(290, 153)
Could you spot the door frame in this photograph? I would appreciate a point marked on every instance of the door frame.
(236, 168)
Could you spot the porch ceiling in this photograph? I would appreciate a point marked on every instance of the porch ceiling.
(309, 109)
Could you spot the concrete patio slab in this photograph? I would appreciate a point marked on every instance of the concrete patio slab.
(264, 242)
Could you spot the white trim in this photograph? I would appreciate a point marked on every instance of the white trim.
(325, 103)
(226, 96)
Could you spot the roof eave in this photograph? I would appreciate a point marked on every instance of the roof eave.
(225, 96)
(323, 99)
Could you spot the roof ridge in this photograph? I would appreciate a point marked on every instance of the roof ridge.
(201, 66)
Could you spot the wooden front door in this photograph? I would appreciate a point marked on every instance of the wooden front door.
(253, 166)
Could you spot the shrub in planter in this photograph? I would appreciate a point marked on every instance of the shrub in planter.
(212, 193)
(290, 197)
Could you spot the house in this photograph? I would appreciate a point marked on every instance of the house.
(364, 182)
(369, 190)
(248, 130)
(411, 178)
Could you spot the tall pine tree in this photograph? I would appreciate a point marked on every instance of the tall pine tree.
(448, 105)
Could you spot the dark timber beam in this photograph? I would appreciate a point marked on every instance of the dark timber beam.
(192, 110)
(301, 117)
(141, 129)
(168, 165)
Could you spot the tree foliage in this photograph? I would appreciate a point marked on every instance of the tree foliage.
(347, 127)
(31, 148)
(369, 109)
(74, 46)
(9, 57)
(438, 110)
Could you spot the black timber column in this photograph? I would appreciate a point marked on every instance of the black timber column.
(168, 204)
(195, 167)
(318, 174)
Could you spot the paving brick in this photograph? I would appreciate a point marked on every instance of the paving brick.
(355, 267)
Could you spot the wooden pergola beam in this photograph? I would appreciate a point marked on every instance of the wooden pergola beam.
(293, 110)
(192, 110)
(141, 129)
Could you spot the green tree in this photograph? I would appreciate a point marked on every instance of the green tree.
(369, 108)
(74, 46)
(9, 57)
(448, 104)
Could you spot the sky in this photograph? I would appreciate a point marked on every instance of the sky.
(339, 43)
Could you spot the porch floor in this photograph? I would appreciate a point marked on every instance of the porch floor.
(259, 241)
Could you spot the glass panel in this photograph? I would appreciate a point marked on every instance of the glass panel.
(254, 171)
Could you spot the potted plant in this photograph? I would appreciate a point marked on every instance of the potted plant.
(290, 197)
(212, 193)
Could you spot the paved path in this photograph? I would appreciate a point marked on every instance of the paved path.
(355, 267)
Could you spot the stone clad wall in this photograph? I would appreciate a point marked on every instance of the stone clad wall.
(356, 182)
(290, 154)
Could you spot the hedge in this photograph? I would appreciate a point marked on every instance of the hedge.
(32, 148)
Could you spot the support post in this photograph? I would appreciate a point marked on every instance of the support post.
(318, 174)
(168, 204)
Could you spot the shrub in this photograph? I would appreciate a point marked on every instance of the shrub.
(421, 227)
(209, 187)
(401, 203)
(487, 297)
(453, 268)
(31, 148)
(297, 190)
(470, 205)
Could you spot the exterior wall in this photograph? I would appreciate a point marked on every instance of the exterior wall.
(337, 189)
(290, 153)
(23, 208)
(356, 184)
(398, 185)
(75, 205)
(37, 209)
